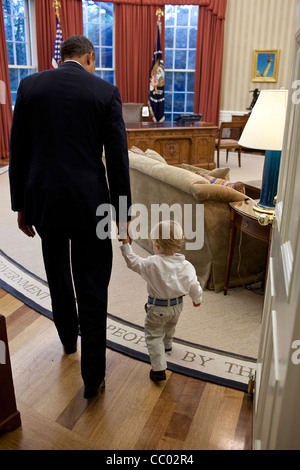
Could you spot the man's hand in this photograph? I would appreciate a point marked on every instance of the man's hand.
(124, 232)
(27, 229)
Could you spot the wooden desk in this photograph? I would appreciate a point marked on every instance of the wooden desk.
(178, 143)
(243, 217)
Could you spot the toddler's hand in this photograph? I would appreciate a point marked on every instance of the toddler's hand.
(196, 305)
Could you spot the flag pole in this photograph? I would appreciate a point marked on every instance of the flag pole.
(159, 12)
(56, 58)
(156, 101)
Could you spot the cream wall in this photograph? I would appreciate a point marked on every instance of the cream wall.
(249, 25)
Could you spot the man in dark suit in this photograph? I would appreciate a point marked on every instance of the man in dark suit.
(62, 119)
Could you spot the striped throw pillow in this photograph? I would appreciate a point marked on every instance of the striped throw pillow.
(212, 180)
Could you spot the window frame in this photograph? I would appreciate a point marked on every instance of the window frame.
(101, 70)
(31, 44)
(171, 71)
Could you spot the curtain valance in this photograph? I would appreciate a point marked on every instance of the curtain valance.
(217, 7)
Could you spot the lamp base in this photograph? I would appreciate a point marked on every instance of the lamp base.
(269, 182)
(263, 210)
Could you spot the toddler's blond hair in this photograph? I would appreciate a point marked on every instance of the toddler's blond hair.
(168, 235)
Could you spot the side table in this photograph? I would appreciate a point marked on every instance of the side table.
(244, 218)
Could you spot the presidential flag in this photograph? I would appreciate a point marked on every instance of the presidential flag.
(157, 82)
(57, 43)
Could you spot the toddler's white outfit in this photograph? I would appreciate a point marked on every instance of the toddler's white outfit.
(168, 279)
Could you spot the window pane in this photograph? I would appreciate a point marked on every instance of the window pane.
(194, 16)
(168, 81)
(178, 102)
(106, 35)
(24, 73)
(192, 60)
(19, 29)
(169, 37)
(193, 38)
(14, 83)
(93, 34)
(170, 15)
(21, 54)
(10, 53)
(8, 28)
(108, 76)
(179, 81)
(182, 15)
(18, 8)
(191, 81)
(181, 38)
(107, 13)
(97, 53)
(190, 102)
(6, 7)
(107, 57)
(13, 97)
(169, 58)
(93, 12)
(180, 59)
(168, 102)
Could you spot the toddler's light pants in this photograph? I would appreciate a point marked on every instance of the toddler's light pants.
(160, 324)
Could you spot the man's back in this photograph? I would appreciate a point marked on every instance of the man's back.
(69, 116)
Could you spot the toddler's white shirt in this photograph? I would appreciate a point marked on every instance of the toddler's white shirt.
(167, 277)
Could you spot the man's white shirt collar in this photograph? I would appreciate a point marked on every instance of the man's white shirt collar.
(71, 60)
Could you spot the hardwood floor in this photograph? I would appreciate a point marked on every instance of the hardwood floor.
(4, 162)
(133, 413)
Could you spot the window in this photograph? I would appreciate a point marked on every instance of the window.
(180, 56)
(98, 26)
(18, 33)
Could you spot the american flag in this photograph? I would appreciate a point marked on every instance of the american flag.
(157, 82)
(58, 40)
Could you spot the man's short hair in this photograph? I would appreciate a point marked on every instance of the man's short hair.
(75, 46)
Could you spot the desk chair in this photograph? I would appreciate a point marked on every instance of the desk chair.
(132, 112)
(229, 134)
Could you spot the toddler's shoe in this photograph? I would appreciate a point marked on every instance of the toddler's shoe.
(157, 375)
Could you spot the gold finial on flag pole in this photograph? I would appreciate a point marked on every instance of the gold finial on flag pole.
(56, 4)
(159, 13)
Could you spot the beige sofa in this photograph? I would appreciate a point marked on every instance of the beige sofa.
(153, 181)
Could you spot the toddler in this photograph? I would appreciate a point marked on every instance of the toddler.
(169, 277)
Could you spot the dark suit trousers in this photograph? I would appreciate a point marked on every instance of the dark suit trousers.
(78, 266)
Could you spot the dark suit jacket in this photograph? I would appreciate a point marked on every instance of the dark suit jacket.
(62, 119)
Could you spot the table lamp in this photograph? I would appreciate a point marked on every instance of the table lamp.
(264, 130)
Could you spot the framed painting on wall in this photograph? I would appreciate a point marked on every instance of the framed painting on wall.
(265, 65)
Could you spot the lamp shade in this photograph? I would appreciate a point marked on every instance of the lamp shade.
(265, 127)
